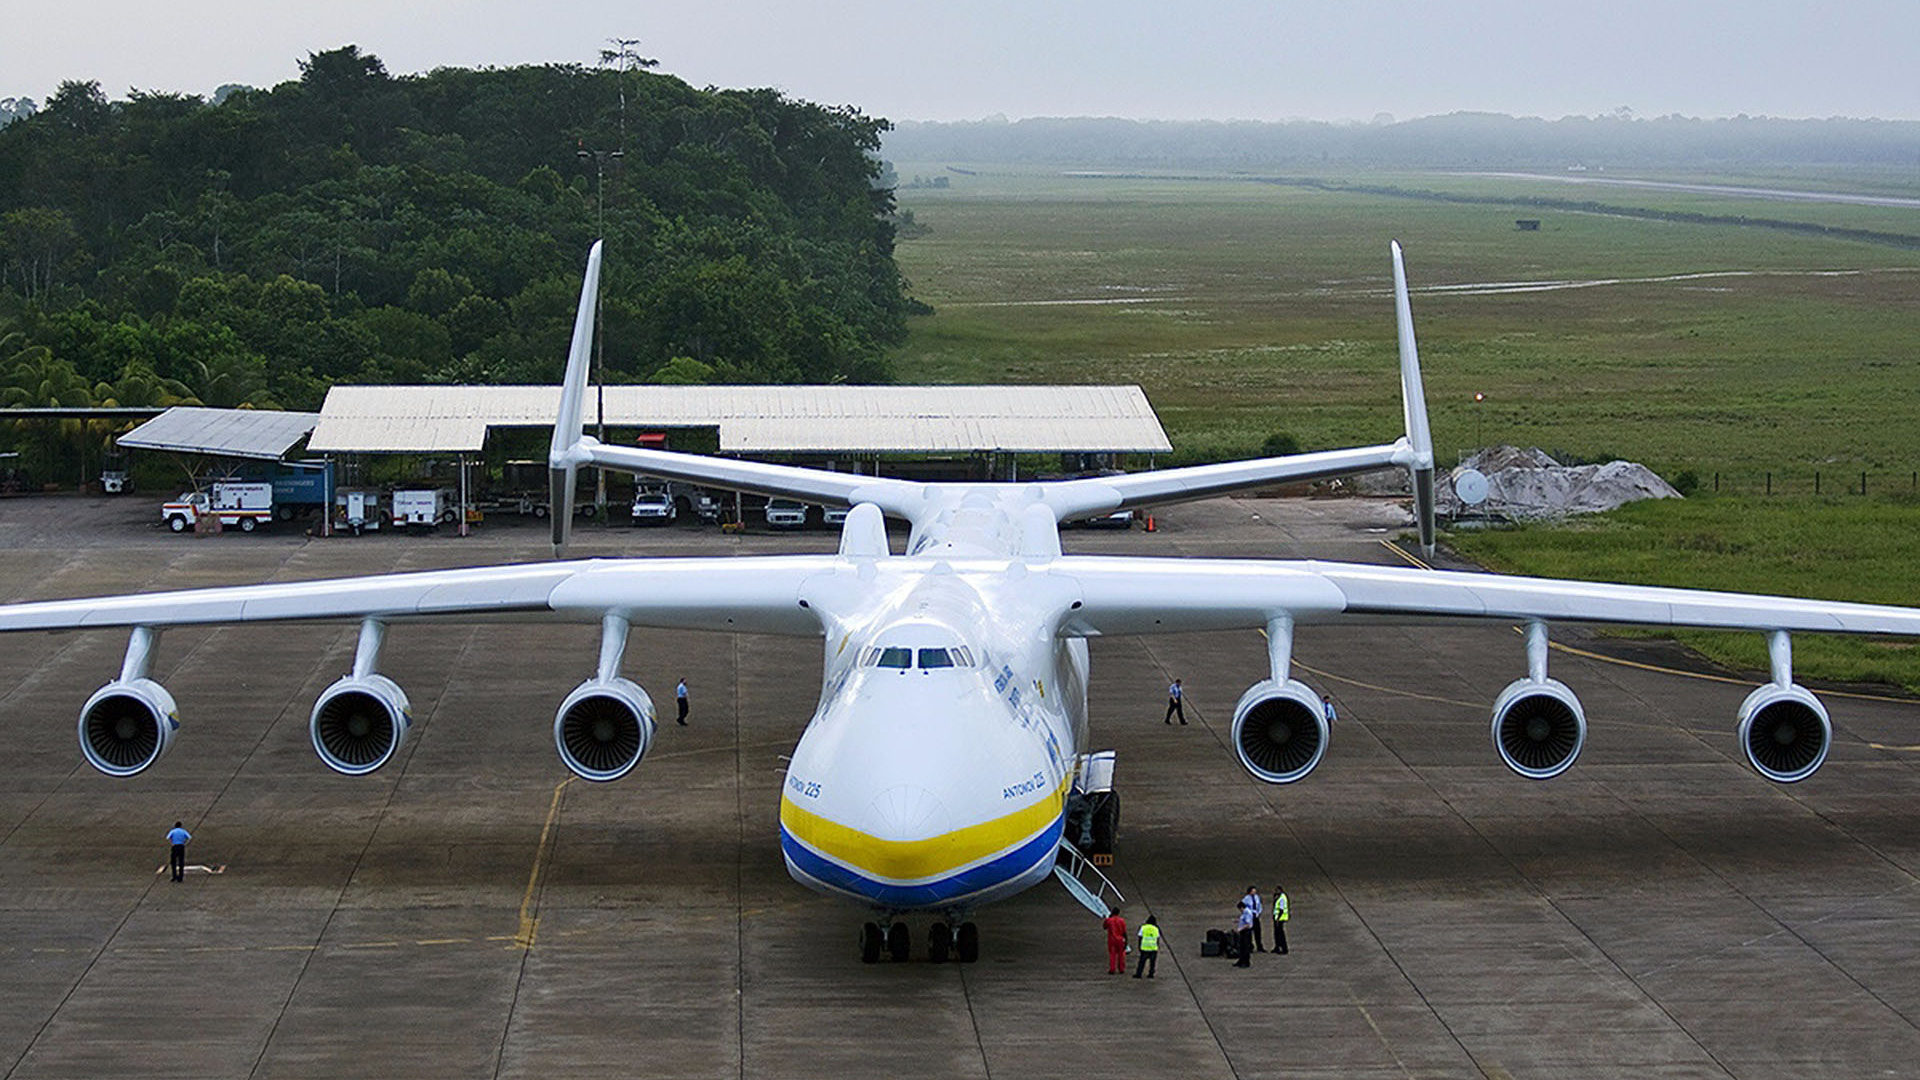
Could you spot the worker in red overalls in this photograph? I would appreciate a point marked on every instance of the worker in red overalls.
(1116, 942)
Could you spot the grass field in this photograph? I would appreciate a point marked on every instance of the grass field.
(1245, 308)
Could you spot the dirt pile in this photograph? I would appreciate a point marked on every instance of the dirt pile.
(1527, 484)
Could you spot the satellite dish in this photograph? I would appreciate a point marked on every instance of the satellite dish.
(1470, 485)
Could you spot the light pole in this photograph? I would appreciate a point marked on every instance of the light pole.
(600, 159)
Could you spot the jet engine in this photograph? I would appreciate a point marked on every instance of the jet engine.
(1539, 727)
(1280, 730)
(126, 725)
(1784, 731)
(604, 728)
(359, 723)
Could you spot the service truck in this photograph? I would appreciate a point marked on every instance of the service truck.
(246, 504)
(429, 507)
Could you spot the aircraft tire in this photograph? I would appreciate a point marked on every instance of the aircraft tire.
(1106, 824)
(939, 943)
(899, 942)
(869, 943)
(968, 944)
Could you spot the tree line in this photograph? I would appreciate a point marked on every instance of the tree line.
(354, 226)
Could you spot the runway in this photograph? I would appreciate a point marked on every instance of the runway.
(468, 911)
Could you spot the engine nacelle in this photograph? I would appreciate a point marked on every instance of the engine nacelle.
(604, 728)
(1539, 727)
(126, 725)
(1280, 732)
(359, 723)
(1784, 731)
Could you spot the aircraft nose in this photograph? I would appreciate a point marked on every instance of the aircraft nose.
(909, 812)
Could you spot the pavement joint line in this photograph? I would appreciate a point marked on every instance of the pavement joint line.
(740, 876)
(1367, 1015)
(1702, 675)
(1186, 980)
(386, 807)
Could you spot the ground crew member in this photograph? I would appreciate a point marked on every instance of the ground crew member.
(1326, 706)
(1279, 920)
(1116, 942)
(1174, 706)
(680, 699)
(1243, 936)
(1253, 902)
(177, 860)
(1149, 948)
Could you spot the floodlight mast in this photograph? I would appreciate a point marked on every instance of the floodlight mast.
(599, 159)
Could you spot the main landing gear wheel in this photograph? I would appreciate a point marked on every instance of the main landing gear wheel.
(1106, 824)
(899, 942)
(939, 943)
(869, 943)
(968, 943)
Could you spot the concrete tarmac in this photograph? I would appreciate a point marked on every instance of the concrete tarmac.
(1659, 911)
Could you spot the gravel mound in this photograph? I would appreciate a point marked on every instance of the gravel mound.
(1527, 484)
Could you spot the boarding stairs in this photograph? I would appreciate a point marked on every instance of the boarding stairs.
(1084, 881)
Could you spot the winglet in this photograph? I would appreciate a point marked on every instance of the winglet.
(1413, 397)
(563, 460)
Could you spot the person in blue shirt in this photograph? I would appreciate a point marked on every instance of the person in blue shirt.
(680, 698)
(177, 861)
(1243, 935)
(1176, 704)
(1252, 900)
(1326, 706)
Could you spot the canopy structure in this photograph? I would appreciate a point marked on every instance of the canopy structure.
(760, 419)
(241, 433)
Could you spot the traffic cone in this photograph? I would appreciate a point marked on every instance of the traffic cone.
(1150, 523)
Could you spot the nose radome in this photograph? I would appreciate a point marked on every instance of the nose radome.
(909, 812)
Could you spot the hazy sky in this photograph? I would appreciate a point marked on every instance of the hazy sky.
(966, 59)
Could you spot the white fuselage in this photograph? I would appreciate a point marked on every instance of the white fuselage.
(935, 772)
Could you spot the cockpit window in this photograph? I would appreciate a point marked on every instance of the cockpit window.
(935, 658)
(895, 658)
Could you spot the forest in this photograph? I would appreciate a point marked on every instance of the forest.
(355, 226)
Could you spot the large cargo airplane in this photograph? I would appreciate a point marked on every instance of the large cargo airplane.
(950, 738)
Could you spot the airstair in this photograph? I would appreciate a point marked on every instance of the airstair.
(1084, 880)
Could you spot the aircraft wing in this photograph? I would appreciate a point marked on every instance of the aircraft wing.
(755, 593)
(1122, 595)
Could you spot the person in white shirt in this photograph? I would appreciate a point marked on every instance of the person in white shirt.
(1252, 900)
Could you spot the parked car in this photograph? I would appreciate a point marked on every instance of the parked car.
(653, 508)
(834, 515)
(786, 514)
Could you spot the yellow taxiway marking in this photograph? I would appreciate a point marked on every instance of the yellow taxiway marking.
(530, 923)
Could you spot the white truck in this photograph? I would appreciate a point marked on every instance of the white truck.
(429, 507)
(786, 514)
(245, 504)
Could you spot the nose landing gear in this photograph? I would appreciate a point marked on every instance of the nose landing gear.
(944, 942)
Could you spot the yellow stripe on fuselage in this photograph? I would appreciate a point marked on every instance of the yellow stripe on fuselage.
(916, 860)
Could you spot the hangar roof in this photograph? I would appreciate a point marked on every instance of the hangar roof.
(760, 419)
(246, 433)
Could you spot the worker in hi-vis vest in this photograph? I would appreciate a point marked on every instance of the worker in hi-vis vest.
(1280, 920)
(1149, 948)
